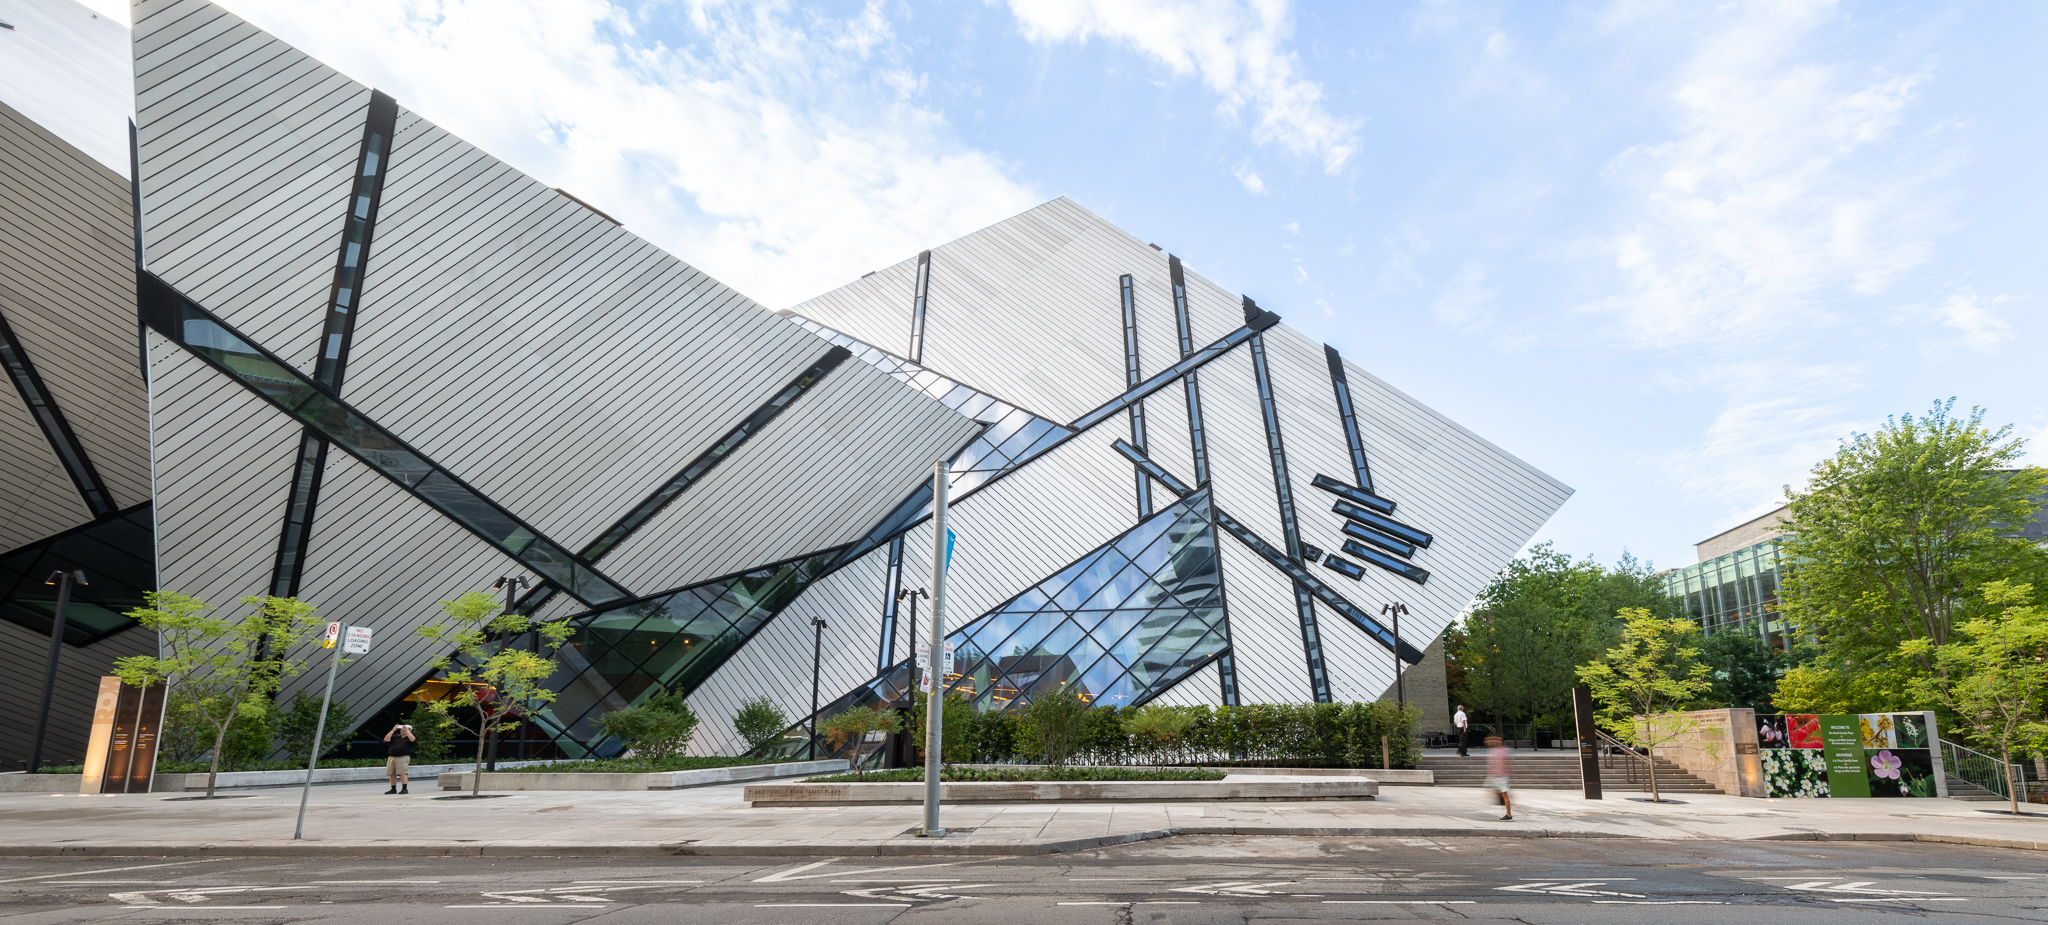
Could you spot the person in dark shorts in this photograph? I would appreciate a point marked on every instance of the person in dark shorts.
(398, 757)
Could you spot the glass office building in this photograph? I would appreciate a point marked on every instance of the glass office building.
(1736, 592)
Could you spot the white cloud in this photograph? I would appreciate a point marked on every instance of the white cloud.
(1239, 48)
(1248, 176)
(1781, 194)
(1467, 302)
(1778, 420)
(1982, 328)
(780, 149)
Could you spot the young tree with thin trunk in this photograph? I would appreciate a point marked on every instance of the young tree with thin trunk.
(1994, 674)
(221, 669)
(1655, 670)
(497, 681)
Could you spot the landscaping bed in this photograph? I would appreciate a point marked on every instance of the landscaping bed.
(1242, 787)
(582, 778)
(1021, 774)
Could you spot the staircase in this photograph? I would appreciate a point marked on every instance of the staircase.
(1557, 771)
(1960, 789)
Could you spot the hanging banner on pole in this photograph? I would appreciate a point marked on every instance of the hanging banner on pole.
(950, 537)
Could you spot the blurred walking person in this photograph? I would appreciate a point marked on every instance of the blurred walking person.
(1500, 767)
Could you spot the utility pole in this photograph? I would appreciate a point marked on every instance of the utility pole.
(63, 581)
(935, 701)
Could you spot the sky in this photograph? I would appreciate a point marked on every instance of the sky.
(1669, 253)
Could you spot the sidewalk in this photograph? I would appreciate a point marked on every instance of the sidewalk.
(351, 820)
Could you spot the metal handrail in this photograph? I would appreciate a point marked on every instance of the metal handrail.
(1636, 760)
(1968, 764)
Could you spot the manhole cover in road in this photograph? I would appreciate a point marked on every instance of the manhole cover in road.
(218, 796)
(481, 796)
(950, 831)
(1648, 800)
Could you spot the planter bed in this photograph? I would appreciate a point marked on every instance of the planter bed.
(241, 780)
(660, 780)
(1392, 778)
(1237, 787)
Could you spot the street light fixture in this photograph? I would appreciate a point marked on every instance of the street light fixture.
(817, 654)
(1395, 610)
(911, 595)
(63, 581)
(511, 585)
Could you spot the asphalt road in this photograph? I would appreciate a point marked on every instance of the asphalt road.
(1210, 881)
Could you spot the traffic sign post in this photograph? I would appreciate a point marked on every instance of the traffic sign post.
(355, 640)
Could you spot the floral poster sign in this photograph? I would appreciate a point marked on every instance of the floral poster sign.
(1865, 755)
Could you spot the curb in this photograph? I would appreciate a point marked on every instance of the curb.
(917, 848)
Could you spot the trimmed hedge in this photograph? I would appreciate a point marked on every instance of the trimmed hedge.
(1318, 735)
(1020, 775)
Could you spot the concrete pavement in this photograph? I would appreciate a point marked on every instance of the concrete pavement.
(359, 820)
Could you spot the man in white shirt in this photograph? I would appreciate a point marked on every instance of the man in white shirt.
(1464, 728)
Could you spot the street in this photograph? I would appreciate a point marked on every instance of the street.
(1211, 879)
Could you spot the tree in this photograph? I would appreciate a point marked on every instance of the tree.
(1994, 673)
(1051, 724)
(297, 724)
(1655, 670)
(656, 728)
(497, 680)
(956, 724)
(759, 722)
(1897, 532)
(852, 728)
(218, 667)
(1745, 669)
(1540, 617)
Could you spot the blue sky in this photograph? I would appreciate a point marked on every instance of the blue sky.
(1667, 252)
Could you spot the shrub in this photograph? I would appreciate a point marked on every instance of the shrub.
(1156, 730)
(1052, 724)
(957, 722)
(654, 729)
(432, 734)
(297, 723)
(852, 728)
(759, 722)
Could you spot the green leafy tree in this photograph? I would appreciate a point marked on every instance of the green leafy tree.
(1745, 669)
(1993, 674)
(656, 728)
(1052, 725)
(1655, 670)
(219, 666)
(497, 681)
(852, 727)
(431, 732)
(1543, 615)
(759, 722)
(1896, 533)
(297, 723)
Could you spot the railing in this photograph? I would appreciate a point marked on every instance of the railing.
(1634, 764)
(1981, 769)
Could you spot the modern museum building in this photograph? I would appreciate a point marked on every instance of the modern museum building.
(288, 336)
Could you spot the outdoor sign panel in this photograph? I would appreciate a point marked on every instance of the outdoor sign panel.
(358, 641)
(1849, 755)
(121, 753)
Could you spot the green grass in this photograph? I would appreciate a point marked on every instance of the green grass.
(1021, 775)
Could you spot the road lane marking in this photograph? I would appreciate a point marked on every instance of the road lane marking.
(382, 881)
(1563, 888)
(511, 906)
(1662, 902)
(831, 905)
(794, 872)
(1399, 902)
(649, 882)
(113, 870)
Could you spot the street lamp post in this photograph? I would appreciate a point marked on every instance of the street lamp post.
(817, 653)
(511, 585)
(1395, 610)
(63, 581)
(911, 595)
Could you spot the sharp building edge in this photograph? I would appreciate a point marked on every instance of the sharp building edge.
(1162, 491)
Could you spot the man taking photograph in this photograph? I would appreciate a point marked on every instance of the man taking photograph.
(398, 760)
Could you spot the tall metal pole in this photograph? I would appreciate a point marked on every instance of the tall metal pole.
(63, 582)
(319, 729)
(1395, 610)
(817, 653)
(935, 701)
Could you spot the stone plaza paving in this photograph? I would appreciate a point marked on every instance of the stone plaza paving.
(360, 820)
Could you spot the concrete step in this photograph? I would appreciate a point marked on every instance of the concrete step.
(1959, 789)
(1554, 771)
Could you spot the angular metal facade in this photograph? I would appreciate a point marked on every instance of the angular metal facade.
(385, 368)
